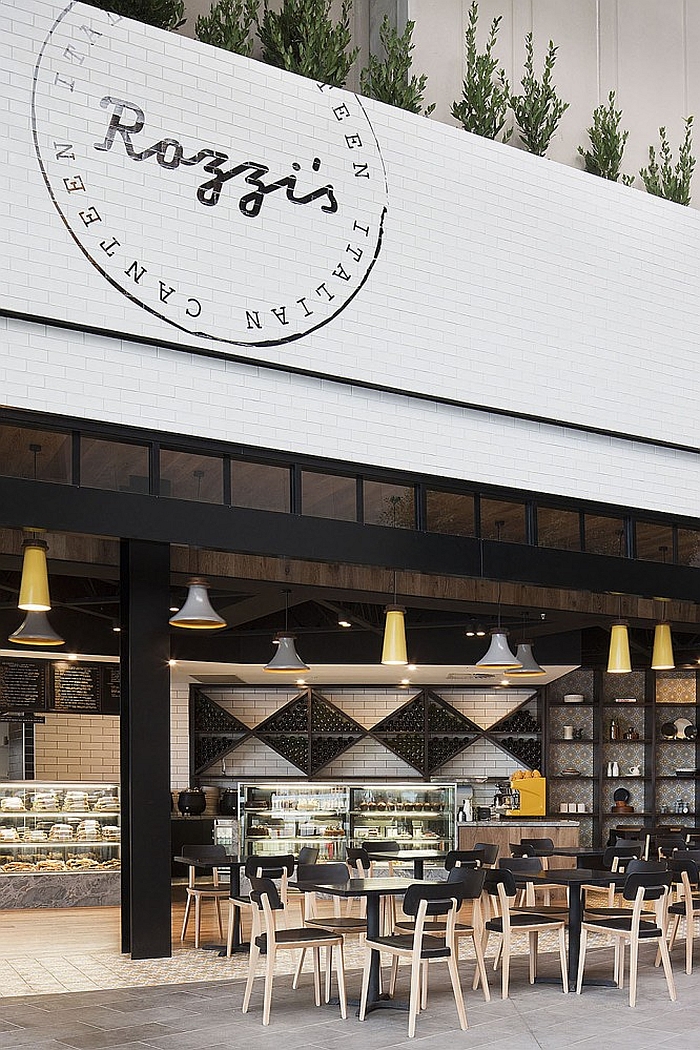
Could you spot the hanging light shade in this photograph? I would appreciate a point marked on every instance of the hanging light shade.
(662, 654)
(286, 657)
(197, 612)
(394, 648)
(36, 630)
(499, 655)
(34, 588)
(529, 665)
(619, 654)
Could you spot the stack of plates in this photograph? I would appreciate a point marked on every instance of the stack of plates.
(570, 772)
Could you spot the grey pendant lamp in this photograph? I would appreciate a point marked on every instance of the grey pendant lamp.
(286, 657)
(35, 629)
(499, 656)
(528, 664)
(197, 613)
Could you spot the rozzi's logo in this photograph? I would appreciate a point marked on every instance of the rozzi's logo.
(246, 208)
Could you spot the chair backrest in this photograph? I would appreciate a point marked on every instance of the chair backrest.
(653, 884)
(543, 847)
(382, 846)
(521, 865)
(265, 888)
(646, 867)
(680, 863)
(615, 858)
(667, 844)
(358, 859)
(307, 855)
(207, 852)
(490, 851)
(517, 849)
(334, 874)
(495, 877)
(439, 898)
(469, 880)
(269, 867)
(463, 858)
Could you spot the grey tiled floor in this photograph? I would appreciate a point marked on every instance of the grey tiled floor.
(207, 1016)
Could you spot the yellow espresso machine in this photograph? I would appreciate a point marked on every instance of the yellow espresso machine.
(533, 797)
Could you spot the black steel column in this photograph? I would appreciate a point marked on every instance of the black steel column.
(145, 749)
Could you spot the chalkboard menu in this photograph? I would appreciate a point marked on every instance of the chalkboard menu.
(22, 685)
(77, 687)
(59, 685)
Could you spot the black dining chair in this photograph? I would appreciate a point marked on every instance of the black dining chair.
(489, 850)
(685, 873)
(271, 867)
(464, 858)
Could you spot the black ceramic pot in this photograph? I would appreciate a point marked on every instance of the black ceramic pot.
(192, 802)
(228, 803)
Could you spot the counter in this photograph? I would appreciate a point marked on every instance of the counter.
(502, 832)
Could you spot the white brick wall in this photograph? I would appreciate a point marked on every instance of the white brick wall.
(504, 280)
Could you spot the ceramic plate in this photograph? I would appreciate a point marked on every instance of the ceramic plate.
(621, 795)
(681, 725)
(668, 730)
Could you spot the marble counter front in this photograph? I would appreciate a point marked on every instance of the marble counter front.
(84, 889)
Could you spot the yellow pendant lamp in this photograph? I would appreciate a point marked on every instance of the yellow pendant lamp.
(619, 661)
(662, 654)
(34, 587)
(394, 649)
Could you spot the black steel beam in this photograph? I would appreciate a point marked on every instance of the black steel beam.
(145, 750)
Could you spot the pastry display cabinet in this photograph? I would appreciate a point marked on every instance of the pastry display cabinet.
(418, 816)
(281, 818)
(59, 828)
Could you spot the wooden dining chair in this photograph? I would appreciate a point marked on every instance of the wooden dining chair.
(615, 860)
(425, 904)
(469, 882)
(267, 938)
(199, 892)
(500, 885)
(263, 867)
(331, 874)
(685, 872)
(640, 887)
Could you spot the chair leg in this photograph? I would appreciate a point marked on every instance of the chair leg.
(229, 931)
(252, 965)
(269, 977)
(188, 905)
(634, 963)
(394, 974)
(497, 956)
(480, 972)
(563, 961)
(424, 987)
(689, 933)
(316, 952)
(329, 964)
(340, 977)
(414, 1001)
(505, 970)
(197, 919)
(533, 939)
(300, 966)
(217, 902)
(666, 960)
(581, 961)
(365, 984)
(675, 923)
(457, 992)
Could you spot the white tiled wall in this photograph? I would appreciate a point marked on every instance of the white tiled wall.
(504, 280)
(77, 747)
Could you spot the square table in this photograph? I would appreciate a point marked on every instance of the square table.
(575, 879)
(234, 863)
(585, 856)
(373, 889)
(418, 856)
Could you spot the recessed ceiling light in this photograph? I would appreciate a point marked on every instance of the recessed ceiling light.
(480, 632)
(301, 681)
(405, 681)
(412, 667)
(174, 608)
(470, 631)
(172, 663)
(72, 656)
(344, 623)
(504, 681)
(116, 628)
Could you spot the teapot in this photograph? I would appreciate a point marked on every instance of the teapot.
(634, 771)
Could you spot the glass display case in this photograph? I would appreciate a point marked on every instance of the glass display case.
(281, 818)
(59, 828)
(418, 816)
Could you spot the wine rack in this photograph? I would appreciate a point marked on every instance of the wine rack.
(426, 732)
(216, 732)
(520, 735)
(310, 732)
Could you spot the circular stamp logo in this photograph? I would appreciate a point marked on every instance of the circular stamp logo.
(233, 201)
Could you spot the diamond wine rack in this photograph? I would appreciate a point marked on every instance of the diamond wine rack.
(310, 732)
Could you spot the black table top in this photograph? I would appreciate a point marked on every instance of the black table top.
(231, 861)
(365, 887)
(571, 876)
(406, 854)
(577, 851)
